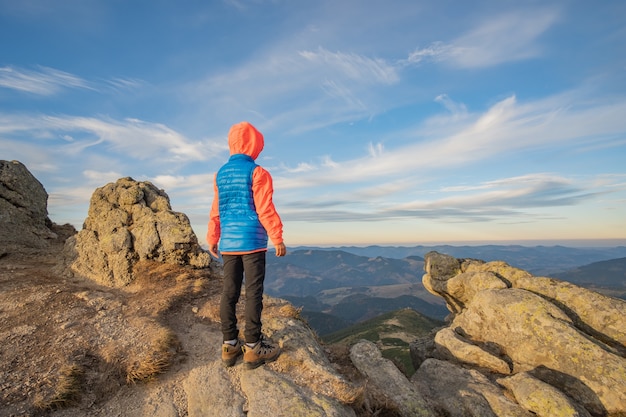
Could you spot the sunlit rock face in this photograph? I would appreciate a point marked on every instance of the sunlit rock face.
(129, 221)
(532, 331)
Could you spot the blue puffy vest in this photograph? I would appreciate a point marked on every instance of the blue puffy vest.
(241, 230)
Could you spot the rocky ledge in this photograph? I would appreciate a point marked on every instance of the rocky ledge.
(520, 345)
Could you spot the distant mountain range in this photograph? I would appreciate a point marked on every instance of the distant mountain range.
(609, 274)
(338, 287)
(538, 260)
(307, 272)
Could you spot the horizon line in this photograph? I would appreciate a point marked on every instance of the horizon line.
(576, 243)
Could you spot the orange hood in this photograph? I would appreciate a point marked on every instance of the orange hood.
(243, 138)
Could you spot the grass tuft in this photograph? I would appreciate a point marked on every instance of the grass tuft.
(66, 392)
(156, 362)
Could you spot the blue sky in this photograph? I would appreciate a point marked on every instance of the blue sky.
(386, 122)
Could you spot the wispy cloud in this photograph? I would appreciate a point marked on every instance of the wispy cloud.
(124, 84)
(352, 66)
(527, 191)
(505, 38)
(506, 127)
(44, 81)
(498, 199)
(303, 89)
(456, 109)
(133, 138)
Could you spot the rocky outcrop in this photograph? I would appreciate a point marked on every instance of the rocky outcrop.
(23, 208)
(527, 335)
(129, 221)
(388, 382)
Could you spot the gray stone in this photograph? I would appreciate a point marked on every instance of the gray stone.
(383, 376)
(568, 337)
(540, 398)
(456, 391)
(454, 346)
(271, 394)
(128, 222)
(23, 208)
(210, 388)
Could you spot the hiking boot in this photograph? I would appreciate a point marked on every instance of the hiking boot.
(261, 353)
(230, 353)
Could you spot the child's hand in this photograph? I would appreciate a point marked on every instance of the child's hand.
(281, 249)
(213, 251)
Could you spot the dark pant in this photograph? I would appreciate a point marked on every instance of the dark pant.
(252, 266)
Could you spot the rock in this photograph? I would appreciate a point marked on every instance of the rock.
(130, 221)
(604, 321)
(540, 398)
(455, 391)
(303, 359)
(210, 387)
(572, 299)
(384, 377)
(453, 346)
(423, 348)
(540, 326)
(23, 208)
(533, 332)
(271, 394)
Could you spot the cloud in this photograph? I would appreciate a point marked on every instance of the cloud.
(200, 183)
(124, 84)
(133, 138)
(298, 90)
(352, 66)
(46, 81)
(514, 198)
(457, 109)
(437, 51)
(505, 38)
(100, 177)
(502, 130)
(526, 191)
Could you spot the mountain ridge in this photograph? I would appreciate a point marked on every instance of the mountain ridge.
(537, 259)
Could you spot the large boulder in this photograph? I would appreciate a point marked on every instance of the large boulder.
(532, 334)
(388, 381)
(24, 218)
(457, 391)
(129, 221)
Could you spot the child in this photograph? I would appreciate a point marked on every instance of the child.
(242, 216)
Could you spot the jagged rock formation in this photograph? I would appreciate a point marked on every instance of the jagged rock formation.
(23, 208)
(556, 348)
(129, 221)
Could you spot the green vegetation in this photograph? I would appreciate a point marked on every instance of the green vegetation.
(392, 332)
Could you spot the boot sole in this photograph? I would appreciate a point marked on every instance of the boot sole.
(229, 362)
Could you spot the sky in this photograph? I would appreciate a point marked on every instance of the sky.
(392, 122)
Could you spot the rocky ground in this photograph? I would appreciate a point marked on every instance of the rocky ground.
(73, 347)
(60, 333)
